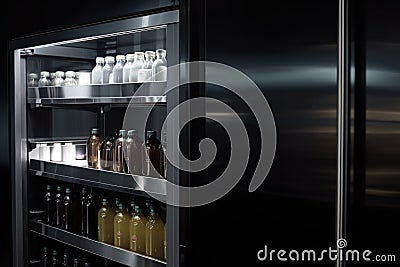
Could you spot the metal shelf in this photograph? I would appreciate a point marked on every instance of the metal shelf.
(98, 248)
(114, 181)
(150, 93)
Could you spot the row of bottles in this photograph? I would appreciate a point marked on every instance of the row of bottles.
(127, 153)
(56, 257)
(58, 78)
(131, 229)
(61, 207)
(137, 67)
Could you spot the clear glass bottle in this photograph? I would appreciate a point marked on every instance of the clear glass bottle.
(44, 78)
(59, 80)
(52, 78)
(92, 148)
(83, 211)
(90, 216)
(134, 153)
(97, 70)
(152, 159)
(119, 163)
(159, 68)
(118, 69)
(106, 153)
(69, 79)
(127, 67)
(137, 231)
(121, 227)
(144, 74)
(58, 214)
(48, 198)
(154, 235)
(32, 80)
(107, 70)
(68, 210)
(105, 224)
(45, 261)
(136, 66)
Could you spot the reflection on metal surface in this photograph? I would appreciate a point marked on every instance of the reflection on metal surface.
(100, 249)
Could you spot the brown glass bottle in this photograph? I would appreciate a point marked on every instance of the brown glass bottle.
(134, 153)
(106, 152)
(92, 148)
(119, 163)
(152, 159)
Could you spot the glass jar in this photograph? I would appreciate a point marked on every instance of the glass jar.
(70, 79)
(127, 67)
(32, 80)
(44, 78)
(159, 68)
(107, 70)
(136, 66)
(59, 80)
(118, 69)
(97, 70)
(144, 74)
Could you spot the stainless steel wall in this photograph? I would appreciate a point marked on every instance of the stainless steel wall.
(289, 49)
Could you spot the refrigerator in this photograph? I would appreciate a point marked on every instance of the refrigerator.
(328, 77)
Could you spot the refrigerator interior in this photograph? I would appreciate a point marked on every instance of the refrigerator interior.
(58, 121)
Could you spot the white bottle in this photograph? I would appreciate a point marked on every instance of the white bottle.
(144, 74)
(59, 80)
(44, 78)
(118, 69)
(107, 69)
(127, 67)
(136, 66)
(159, 69)
(97, 70)
(70, 79)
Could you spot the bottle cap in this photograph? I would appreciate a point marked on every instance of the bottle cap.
(87, 264)
(65, 257)
(151, 133)
(95, 131)
(121, 206)
(76, 260)
(67, 190)
(83, 190)
(105, 201)
(99, 60)
(132, 132)
(55, 253)
(130, 56)
(59, 74)
(150, 53)
(59, 188)
(44, 73)
(139, 53)
(120, 57)
(110, 59)
(32, 75)
(45, 249)
(122, 132)
(70, 74)
(48, 187)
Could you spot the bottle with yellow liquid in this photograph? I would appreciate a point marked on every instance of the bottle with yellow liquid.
(121, 227)
(154, 235)
(106, 223)
(137, 231)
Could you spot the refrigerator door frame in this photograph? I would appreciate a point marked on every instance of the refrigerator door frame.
(19, 155)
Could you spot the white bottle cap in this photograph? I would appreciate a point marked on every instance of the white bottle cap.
(99, 60)
(70, 74)
(44, 73)
(110, 59)
(130, 56)
(120, 57)
(33, 75)
(139, 54)
(150, 53)
(158, 51)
